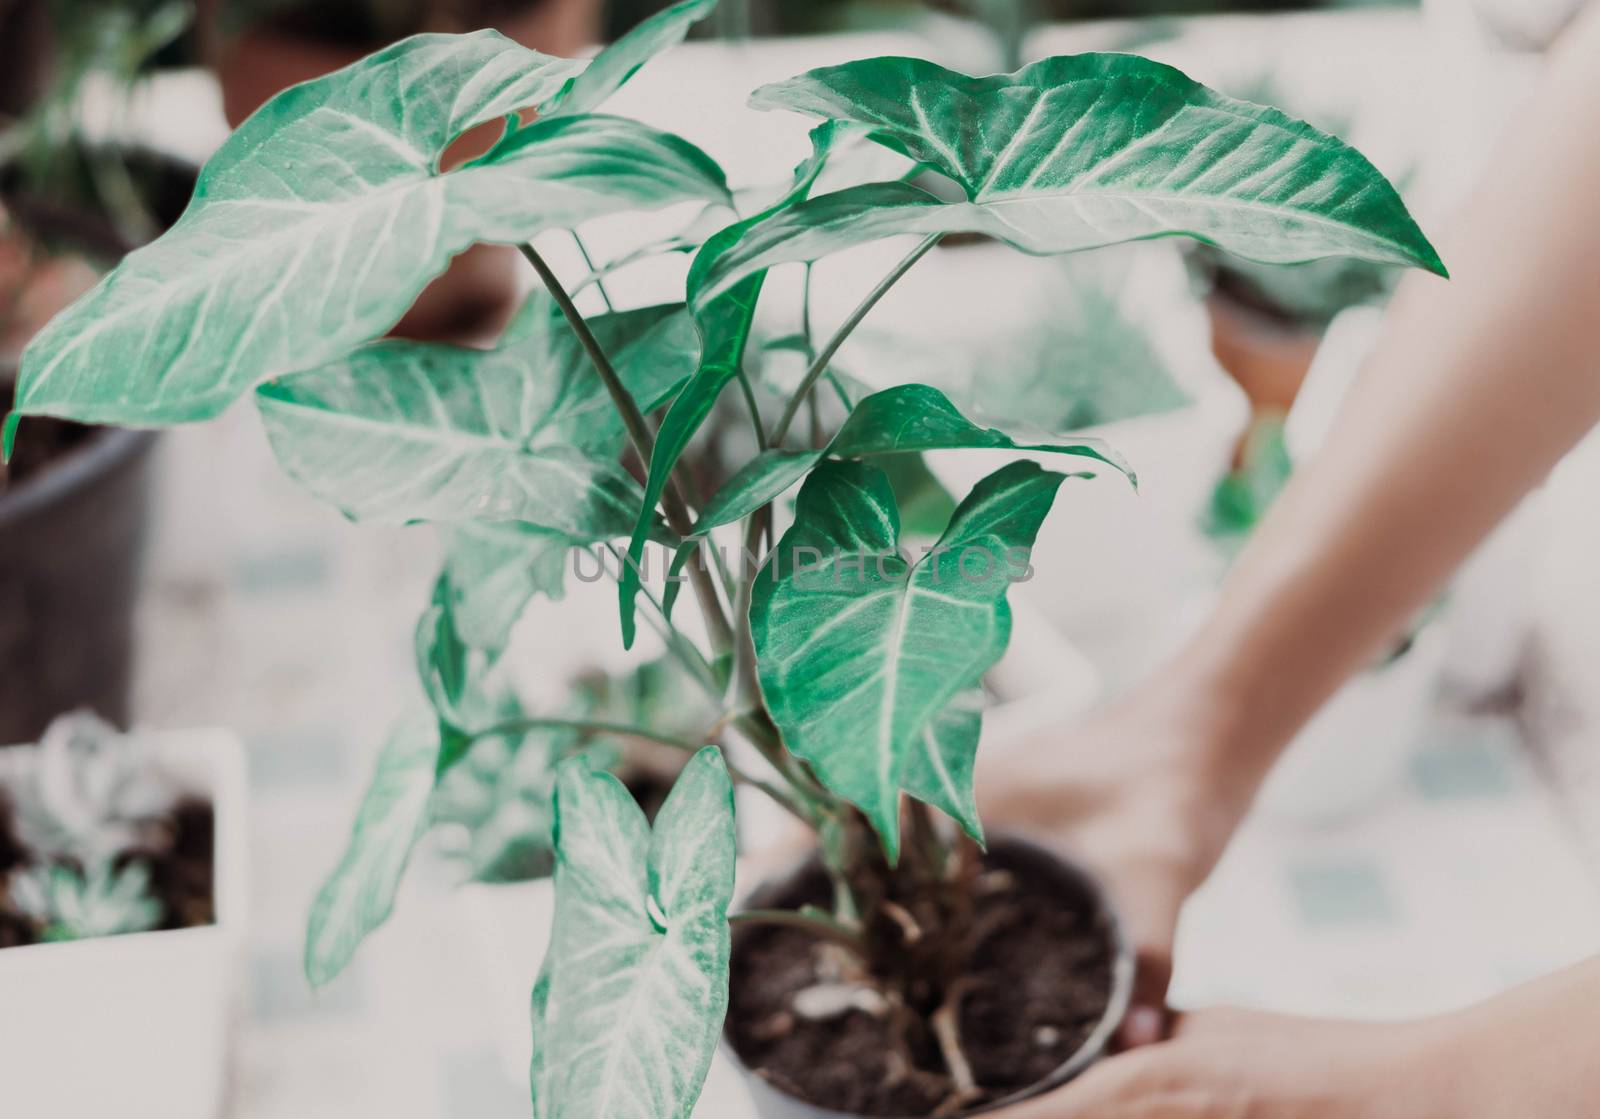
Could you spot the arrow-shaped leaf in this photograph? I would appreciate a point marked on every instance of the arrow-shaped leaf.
(1081, 151)
(858, 648)
(405, 431)
(493, 570)
(939, 766)
(630, 1002)
(359, 895)
(899, 420)
(619, 61)
(319, 221)
(724, 326)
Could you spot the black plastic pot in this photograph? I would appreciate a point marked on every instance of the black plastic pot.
(771, 1103)
(73, 541)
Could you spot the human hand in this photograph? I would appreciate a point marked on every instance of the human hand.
(1231, 1064)
(1138, 794)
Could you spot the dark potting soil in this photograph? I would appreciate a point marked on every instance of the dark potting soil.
(181, 855)
(40, 442)
(1037, 982)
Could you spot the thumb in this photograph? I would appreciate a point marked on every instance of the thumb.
(1149, 896)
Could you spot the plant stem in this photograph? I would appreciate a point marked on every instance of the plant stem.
(754, 409)
(644, 444)
(588, 261)
(590, 726)
(686, 652)
(811, 920)
(820, 365)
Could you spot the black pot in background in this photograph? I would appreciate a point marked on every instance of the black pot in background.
(73, 530)
(73, 543)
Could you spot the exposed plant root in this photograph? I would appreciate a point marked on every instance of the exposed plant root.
(947, 1031)
(901, 916)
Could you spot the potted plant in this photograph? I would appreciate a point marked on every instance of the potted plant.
(955, 974)
(122, 889)
(73, 499)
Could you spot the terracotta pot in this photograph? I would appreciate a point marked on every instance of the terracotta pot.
(1268, 357)
(477, 294)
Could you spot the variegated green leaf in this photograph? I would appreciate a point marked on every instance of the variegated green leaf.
(319, 221)
(359, 895)
(629, 1005)
(859, 647)
(724, 326)
(939, 765)
(1077, 152)
(406, 431)
(493, 570)
(619, 61)
(897, 421)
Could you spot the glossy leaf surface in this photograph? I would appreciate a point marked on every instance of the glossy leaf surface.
(406, 431)
(899, 420)
(619, 61)
(939, 766)
(319, 221)
(1078, 152)
(629, 1005)
(724, 324)
(493, 571)
(859, 647)
(359, 895)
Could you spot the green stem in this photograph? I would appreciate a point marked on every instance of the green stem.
(644, 445)
(810, 920)
(588, 261)
(754, 410)
(820, 365)
(679, 646)
(591, 726)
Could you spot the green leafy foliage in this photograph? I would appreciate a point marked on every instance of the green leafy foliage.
(1242, 497)
(629, 1004)
(405, 431)
(492, 571)
(894, 422)
(320, 220)
(724, 324)
(860, 648)
(1078, 152)
(613, 66)
(359, 896)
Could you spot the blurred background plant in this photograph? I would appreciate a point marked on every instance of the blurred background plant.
(88, 818)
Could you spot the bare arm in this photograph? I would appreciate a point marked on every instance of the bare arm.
(1476, 390)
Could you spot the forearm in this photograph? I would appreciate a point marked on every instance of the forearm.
(1528, 1052)
(1477, 388)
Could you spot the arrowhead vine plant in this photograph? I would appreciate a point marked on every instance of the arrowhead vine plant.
(849, 665)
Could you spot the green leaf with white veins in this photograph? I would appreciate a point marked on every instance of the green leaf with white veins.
(493, 571)
(319, 221)
(618, 62)
(406, 431)
(939, 766)
(896, 421)
(1078, 152)
(629, 1004)
(724, 325)
(858, 647)
(359, 895)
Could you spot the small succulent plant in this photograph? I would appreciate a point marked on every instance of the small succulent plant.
(92, 795)
(69, 903)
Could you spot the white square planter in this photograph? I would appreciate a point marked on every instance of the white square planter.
(137, 1026)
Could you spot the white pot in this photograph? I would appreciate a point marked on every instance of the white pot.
(138, 1026)
(1041, 680)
